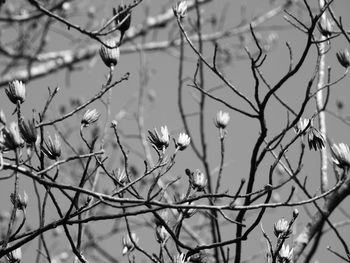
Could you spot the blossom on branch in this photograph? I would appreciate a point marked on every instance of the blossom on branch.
(281, 227)
(90, 117)
(110, 56)
(344, 58)
(53, 147)
(16, 91)
(286, 254)
(341, 155)
(183, 141)
(222, 119)
(28, 131)
(181, 9)
(10, 138)
(161, 142)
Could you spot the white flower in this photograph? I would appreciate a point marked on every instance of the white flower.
(183, 141)
(222, 119)
(281, 227)
(181, 9)
(16, 91)
(286, 254)
(160, 141)
(341, 155)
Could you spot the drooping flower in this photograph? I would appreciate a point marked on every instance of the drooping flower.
(161, 142)
(14, 256)
(16, 91)
(10, 137)
(90, 117)
(110, 56)
(181, 9)
(53, 147)
(325, 27)
(344, 58)
(199, 180)
(315, 139)
(286, 254)
(162, 235)
(28, 131)
(341, 155)
(183, 141)
(281, 227)
(128, 243)
(222, 119)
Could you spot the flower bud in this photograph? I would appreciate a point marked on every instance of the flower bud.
(198, 181)
(110, 56)
(28, 131)
(128, 244)
(16, 91)
(344, 58)
(21, 202)
(53, 148)
(183, 141)
(10, 138)
(222, 119)
(90, 117)
(180, 258)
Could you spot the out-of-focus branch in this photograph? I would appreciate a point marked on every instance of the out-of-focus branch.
(50, 62)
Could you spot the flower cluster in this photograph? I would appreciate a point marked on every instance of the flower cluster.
(161, 140)
(286, 254)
